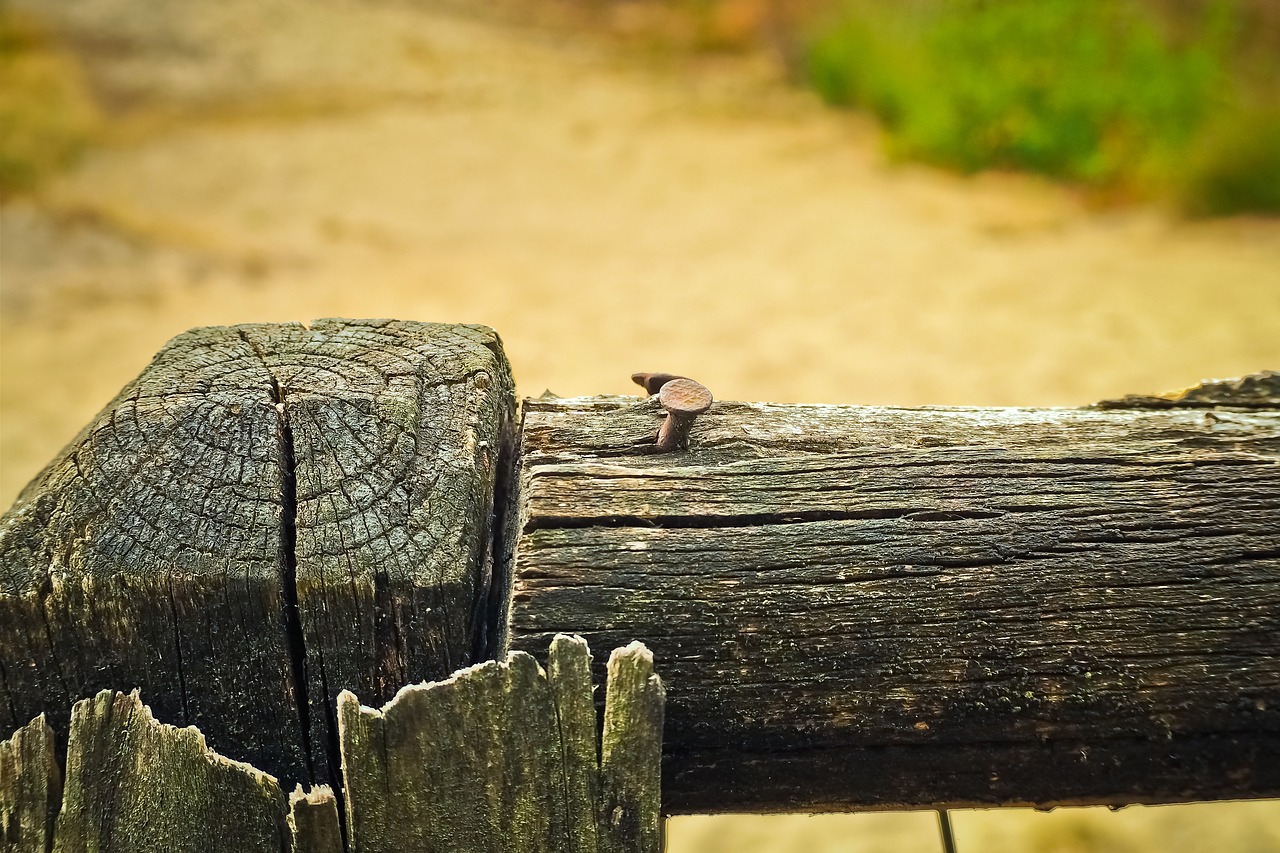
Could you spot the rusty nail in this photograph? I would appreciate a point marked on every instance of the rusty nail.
(683, 400)
(653, 382)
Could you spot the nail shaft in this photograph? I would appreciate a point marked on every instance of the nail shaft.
(683, 399)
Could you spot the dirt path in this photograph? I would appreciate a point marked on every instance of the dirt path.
(280, 160)
(381, 160)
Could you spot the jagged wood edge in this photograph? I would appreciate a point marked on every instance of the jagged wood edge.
(631, 753)
(30, 788)
(313, 821)
(136, 784)
(1259, 390)
(412, 785)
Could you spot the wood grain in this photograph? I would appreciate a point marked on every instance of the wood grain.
(267, 515)
(860, 607)
(136, 785)
(631, 753)
(30, 789)
(313, 821)
(500, 757)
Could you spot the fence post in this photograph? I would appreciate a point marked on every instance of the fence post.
(268, 514)
(30, 788)
(498, 757)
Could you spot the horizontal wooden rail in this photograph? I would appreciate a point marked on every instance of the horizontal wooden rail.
(865, 607)
(852, 607)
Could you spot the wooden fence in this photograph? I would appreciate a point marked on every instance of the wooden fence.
(851, 607)
(500, 757)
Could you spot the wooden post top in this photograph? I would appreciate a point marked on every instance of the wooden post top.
(267, 515)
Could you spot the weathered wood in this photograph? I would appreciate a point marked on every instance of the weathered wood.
(313, 821)
(862, 607)
(1256, 391)
(502, 756)
(631, 753)
(136, 785)
(569, 676)
(30, 789)
(267, 515)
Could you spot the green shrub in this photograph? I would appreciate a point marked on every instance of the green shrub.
(46, 114)
(1237, 167)
(1098, 92)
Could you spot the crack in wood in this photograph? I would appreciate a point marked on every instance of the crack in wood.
(333, 746)
(492, 603)
(261, 500)
(294, 638)
(8, 695)
(177, 649)
(766, 519)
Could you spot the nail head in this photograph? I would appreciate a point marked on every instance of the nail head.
(685, 397)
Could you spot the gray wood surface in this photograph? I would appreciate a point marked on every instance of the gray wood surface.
(503, 757)
(136, 785)
(631, 753)
(498, 757)
(859, 607)
(313, 821)
(30, 789)
(267, 515)
(1256, 391)
(569, 677)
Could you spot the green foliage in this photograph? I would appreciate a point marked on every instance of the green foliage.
(46, 114)
(1095, 92)
(1237, 168)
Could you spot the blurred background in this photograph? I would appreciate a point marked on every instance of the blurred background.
(927, 202)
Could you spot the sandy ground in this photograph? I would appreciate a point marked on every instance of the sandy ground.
(282, 160)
